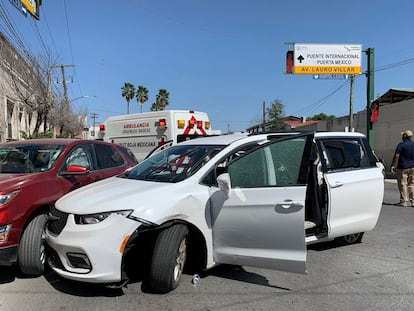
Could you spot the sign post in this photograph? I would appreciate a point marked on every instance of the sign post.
(370, 93)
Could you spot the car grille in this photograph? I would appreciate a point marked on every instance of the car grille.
(57, 221)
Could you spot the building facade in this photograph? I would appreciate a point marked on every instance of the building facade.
(16, 89)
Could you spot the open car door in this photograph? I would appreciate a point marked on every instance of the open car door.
(351, 168)
(259, 220)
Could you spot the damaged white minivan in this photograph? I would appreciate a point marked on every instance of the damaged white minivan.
(254, 200)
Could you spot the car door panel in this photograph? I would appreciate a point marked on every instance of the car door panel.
(359, 212)
(351, 169)
(262, 227)
(261, 221)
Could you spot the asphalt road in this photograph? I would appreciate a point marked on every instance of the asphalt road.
(377, 274)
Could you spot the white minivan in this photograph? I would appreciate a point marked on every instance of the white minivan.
(254, 200)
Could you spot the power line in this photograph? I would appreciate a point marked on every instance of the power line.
(70, 45)
(313, 107)
(394, 65)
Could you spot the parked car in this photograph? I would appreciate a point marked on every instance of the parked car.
(254, 200)
(33, 175)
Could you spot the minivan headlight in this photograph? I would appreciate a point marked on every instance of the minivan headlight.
(91, 219)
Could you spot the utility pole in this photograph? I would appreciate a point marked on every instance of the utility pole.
(264, 117)
(65, 102)
(94, 116)
(370, 93)
(65, 88)
(351, 105)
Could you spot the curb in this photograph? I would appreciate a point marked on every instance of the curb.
(391, 181)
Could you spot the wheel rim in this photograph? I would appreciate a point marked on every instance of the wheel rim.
(42, 256)
(180, 261)
(351, 238)
(42, 250)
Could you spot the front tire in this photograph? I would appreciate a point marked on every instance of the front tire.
(350, 239)
(168, 260)
(32, 248)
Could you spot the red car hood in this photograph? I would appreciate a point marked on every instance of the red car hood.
(8, 181)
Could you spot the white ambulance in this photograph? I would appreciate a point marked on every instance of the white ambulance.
(143, 132)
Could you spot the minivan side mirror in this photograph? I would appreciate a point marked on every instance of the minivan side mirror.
(224, 183)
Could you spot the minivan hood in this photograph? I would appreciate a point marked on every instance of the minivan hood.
(112, 194)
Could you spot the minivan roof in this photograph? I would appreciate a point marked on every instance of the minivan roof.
(227, 139)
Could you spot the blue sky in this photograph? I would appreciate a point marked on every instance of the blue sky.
(224, 57)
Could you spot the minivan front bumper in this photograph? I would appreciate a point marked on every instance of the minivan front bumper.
(93, 252)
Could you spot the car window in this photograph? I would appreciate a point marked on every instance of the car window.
(107, 157)
(15, 161)
(28, 158)
(344, 154)
(128, 153)
(81, 155)
(277, 164)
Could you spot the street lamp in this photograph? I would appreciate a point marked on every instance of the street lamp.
(85, 96)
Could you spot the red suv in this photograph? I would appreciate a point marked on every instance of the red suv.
(33, 175)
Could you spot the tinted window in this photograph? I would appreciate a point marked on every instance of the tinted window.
(344, 154)
(128, 153)
(107, 156)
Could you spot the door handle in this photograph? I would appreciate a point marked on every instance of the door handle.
(337, 185)
(288, 204)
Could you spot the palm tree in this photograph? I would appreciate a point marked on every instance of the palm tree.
(142, 95)
(161, 101)
(128, 91)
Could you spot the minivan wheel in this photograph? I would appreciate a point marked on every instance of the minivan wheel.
(168, 259)
(350, 238)
(32, 249)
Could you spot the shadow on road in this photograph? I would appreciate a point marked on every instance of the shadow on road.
(237, 273)
(81, 289)
(8, 274)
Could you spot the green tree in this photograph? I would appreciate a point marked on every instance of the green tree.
(321, 116)
(274, 115)
(128, 91)
(142, 95)
(162, 100)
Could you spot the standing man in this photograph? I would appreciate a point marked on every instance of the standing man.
(403, 166)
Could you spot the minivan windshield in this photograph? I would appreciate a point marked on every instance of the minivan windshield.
(175, 163)
(28, 158)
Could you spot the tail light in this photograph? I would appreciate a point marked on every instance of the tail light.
(200, 124)
(162, 122)
(102, 127)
